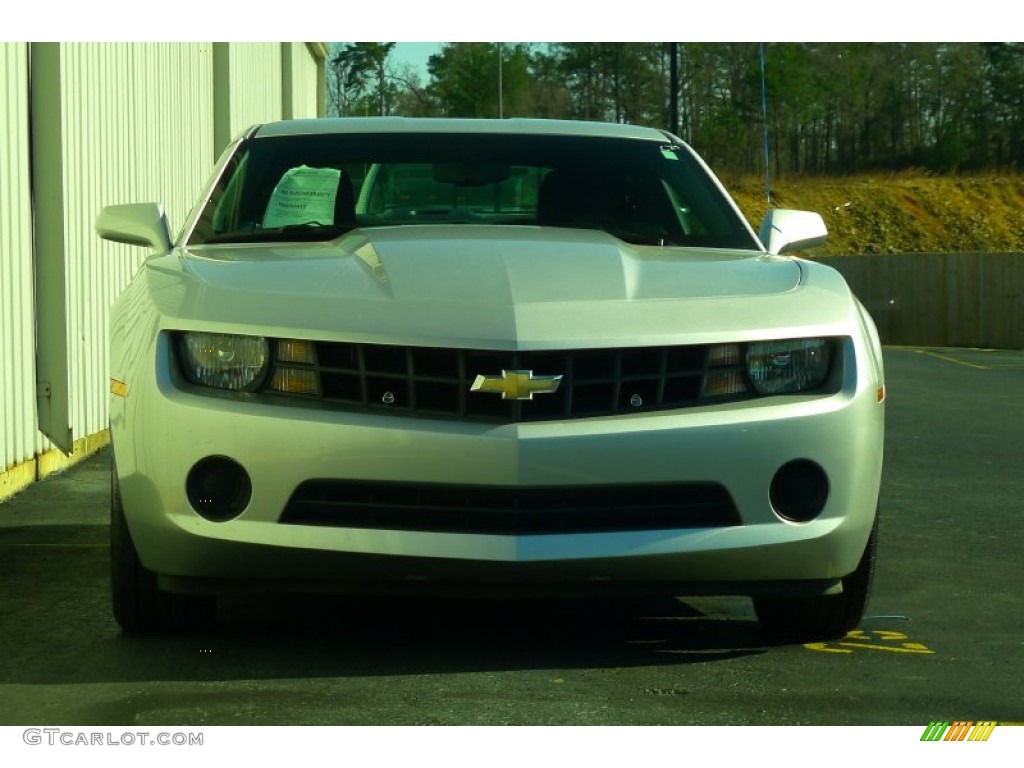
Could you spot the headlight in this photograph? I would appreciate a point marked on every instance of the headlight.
(784, 367)
(224, 361)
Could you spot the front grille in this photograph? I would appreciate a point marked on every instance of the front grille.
(436, 382)
(510, 511)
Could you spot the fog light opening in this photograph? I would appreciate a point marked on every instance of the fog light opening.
(218, 488)
(799, 491)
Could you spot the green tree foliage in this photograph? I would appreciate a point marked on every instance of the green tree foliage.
(465, 79)
(617, 82)
(832, 108)
(361, 82)
(1003, 119)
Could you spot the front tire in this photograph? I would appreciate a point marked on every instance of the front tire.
(814, 619)
(140, 606)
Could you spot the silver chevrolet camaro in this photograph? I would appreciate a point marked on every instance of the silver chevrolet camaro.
(474, 357)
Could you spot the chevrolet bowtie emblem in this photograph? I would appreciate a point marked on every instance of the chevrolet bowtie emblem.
(516, 385)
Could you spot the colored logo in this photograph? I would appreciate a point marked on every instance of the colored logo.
(516, 385)
(961, 730)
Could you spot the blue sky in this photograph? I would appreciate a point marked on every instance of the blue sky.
(415, 55)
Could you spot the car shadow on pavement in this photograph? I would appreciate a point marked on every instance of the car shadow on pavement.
(304, 636)
(58, 628)
(414, 636)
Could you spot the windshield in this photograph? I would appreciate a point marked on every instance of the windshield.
(316, 187)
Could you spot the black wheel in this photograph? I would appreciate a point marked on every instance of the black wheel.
(140, 606)
(811, 619)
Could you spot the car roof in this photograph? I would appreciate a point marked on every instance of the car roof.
(520, 126)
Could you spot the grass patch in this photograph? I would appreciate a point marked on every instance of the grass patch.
(899, 213)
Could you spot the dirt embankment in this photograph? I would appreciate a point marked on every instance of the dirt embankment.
(900, 213)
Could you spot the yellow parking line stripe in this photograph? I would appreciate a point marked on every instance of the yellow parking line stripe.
(953, 360)
(905, 648)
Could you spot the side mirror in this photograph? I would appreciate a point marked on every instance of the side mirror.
(783, 231)
(135, 224)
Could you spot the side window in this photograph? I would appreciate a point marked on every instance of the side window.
(401, 191)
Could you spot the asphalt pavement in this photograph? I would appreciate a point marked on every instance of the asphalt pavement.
(943, 639)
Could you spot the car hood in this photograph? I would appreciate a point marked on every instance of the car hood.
(489, 286)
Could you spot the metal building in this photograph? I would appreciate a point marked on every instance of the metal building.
(93, 124)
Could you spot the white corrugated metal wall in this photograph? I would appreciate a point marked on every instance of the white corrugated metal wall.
(256, 94)
(17, 309)
(136, 146)
(137, 122)
(307, 62)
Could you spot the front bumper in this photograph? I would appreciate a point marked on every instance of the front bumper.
(161, 432)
